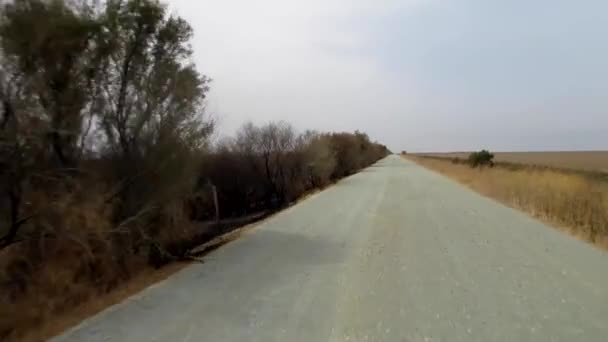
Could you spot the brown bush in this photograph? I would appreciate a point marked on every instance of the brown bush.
(320, 160)
(267, 167)
(69, 258)
(72, 252)
(353, 152)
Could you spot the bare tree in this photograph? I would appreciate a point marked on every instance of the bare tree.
(118, 71)
(57, 58)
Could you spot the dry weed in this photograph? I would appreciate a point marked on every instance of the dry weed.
(574, 202)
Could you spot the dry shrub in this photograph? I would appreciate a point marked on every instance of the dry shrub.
(267, 167)
(70, 259)
(575, 202)
(72, 253)
(172, 234)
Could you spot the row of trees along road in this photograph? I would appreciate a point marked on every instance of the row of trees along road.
(105, 151)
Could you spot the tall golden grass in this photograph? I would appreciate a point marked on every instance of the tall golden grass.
(573, 202)
(593, 161)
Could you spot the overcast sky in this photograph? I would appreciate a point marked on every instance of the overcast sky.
(421, 75)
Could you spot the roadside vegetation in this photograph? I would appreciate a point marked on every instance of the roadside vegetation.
(576, 201)
(107, 166)
(480, 159)
(590, 161)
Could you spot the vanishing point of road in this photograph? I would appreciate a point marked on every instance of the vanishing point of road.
(393, 253)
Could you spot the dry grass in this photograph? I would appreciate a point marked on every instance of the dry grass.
(51, 285)
(574, 202)
(53, 325)
(78, 264)
(574, 160)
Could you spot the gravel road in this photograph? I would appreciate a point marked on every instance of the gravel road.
(394, 253)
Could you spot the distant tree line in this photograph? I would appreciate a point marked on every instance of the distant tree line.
(105, 149)
(269, 166)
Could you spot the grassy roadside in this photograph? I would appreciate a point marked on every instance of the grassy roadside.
(566, 160)
(54, 325)
(575, 202)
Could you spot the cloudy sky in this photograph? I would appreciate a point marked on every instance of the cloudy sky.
(421, 75)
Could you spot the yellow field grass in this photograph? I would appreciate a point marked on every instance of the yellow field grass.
(571, 201)
(575, 160)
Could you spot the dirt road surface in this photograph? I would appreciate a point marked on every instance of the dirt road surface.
(394, 253)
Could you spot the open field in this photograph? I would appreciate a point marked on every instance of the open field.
(572, 201)
(576, 160)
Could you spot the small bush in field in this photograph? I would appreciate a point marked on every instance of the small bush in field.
(481, 158)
